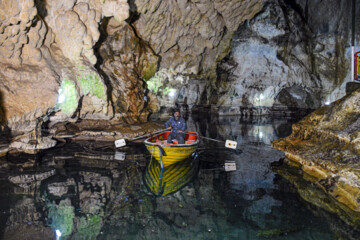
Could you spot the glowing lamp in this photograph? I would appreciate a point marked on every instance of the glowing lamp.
(61, 98)
(172, 92)
(58, 233)
(260, 135)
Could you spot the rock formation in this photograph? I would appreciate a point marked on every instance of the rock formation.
(191, 36)
(79, 59)
(128, 62)
(282, 58)
(46, 64)
(285, 59)
(326, 146)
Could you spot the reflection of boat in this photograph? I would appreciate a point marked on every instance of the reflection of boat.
(170, 153)
(163, 181)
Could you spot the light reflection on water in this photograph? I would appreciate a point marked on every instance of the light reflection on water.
(88, 191)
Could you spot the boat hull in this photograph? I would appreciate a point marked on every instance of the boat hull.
(168, 154)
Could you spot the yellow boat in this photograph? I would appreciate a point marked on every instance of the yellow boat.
(163, 181)
(170, 153)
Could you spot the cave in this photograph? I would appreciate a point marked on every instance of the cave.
(84, 82)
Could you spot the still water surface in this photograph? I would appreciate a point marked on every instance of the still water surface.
(89, 190)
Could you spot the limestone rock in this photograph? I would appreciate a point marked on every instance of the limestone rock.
(75, 24)
(191, 35)
(27, 92)
(279, 62)
(16, 20)
(127, 62)
(326, 145)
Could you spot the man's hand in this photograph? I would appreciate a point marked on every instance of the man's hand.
(181, 131)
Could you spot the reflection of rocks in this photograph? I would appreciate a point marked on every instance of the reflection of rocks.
(92, 196)
(29, 182)
(94, 190)
(60, 188)
(253, 173)
(25, 222)
(316, 196)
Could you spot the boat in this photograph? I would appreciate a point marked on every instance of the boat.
(163, 181)
(170, 153)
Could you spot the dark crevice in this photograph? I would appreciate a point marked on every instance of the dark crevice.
(134, 15)
(297, 8)
(100, 60)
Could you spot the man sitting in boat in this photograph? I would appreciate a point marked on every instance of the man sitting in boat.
(177, 125)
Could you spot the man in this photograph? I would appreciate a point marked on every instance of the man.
(177, 125)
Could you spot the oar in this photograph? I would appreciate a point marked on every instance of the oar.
(228, 143)
(122, 142)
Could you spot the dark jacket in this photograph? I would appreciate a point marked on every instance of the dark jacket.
(176, 125)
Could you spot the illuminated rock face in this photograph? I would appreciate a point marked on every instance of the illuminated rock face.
(281, 60)
(46, 61)
(191, 36)
(326, 145)
(221, 56)
(46, 43)
(128, 62)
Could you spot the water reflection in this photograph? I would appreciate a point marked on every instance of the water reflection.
(90, 190)
(163, 181)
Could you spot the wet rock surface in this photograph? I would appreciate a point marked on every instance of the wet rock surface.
(326, 146)
(85, 130)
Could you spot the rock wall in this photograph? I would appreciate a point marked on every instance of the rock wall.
(191, 36)
(79, 59)
(292, 55)
(285, 58)
(47, 47)
(326, 146)
(47, 62)
(127, 62)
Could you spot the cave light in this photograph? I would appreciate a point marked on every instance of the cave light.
(172, 92)
(58, 233)
(61, 98)
(261, 135)
(327, 103)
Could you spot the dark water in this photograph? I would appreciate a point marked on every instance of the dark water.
(88, 190)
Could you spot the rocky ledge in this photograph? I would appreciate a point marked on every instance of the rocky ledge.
(326, 146)
(84, 130)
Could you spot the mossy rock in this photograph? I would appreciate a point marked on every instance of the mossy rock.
(62, 217)
(149, 71)
(68, 97)
(91, 84)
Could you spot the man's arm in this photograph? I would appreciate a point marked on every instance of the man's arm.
(168, 123)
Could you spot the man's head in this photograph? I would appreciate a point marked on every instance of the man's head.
(177, 114)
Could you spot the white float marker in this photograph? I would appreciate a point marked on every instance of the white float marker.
(120, 143)
(120, 156)
(231, 144)
(230, 166)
